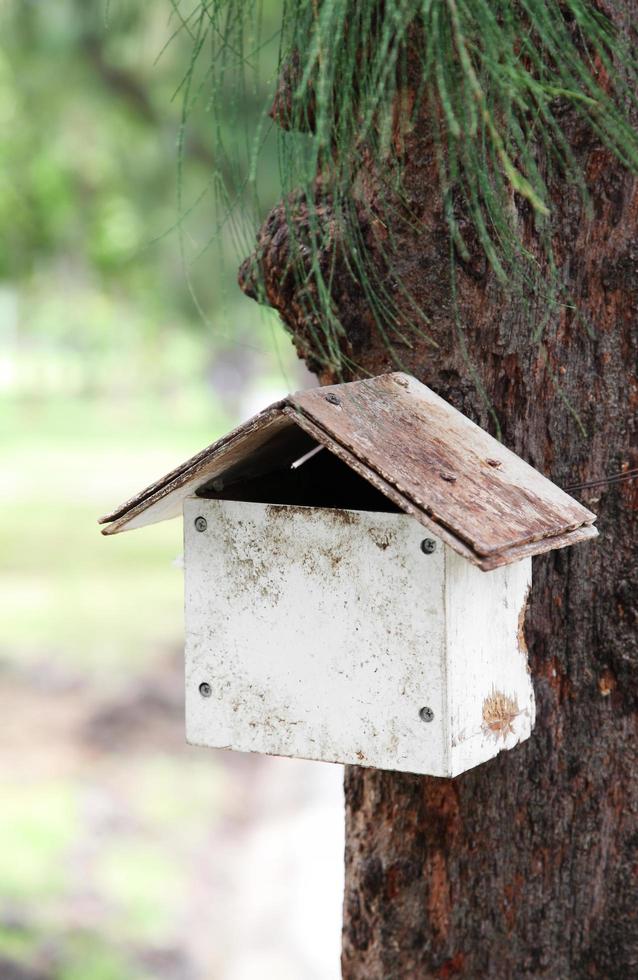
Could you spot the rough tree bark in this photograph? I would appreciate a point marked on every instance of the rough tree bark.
(528, 865)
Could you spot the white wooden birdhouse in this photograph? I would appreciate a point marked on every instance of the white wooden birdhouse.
(357, 565)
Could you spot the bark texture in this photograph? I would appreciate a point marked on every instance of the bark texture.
(528, 865)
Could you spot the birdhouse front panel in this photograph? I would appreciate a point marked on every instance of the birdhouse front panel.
(347, 637)
(319, 631)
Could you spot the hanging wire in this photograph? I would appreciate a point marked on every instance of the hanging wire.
(623, 477)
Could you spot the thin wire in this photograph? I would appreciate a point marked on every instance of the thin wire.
(615, 478)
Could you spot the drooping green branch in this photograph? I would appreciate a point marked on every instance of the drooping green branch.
(503, 83)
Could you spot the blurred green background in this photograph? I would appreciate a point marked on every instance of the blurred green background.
(125, 346)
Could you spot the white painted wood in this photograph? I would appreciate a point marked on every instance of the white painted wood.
(489, 689)
(319, 631)
(322, 633)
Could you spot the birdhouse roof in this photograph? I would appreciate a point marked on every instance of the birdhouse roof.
(428, 459)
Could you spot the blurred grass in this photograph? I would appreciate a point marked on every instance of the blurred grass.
(36, 869)
(68, 591)
(107, 817)
(84, 896)
(112, 831)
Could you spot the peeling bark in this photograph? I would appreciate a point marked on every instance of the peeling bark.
(528, 865)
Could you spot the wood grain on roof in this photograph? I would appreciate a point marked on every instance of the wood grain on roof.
(425, 456)
(447, 466)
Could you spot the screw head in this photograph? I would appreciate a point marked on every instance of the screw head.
(205, 689)
(201, 523)
(428, 545)
(426, 714)
(333, 399)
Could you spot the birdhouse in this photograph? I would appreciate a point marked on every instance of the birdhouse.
(357, 566)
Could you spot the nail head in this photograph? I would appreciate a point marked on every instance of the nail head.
(205, 689)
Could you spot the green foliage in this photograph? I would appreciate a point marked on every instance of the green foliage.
(89, 254)
(503, 84)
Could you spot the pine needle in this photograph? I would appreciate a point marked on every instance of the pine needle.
(497, 78)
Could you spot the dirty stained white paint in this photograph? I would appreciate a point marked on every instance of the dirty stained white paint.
(323, 633)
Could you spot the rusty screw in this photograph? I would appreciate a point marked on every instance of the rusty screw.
(426, 714)
(201, 523)
(428, 545)
(332, 399)
(205, 689)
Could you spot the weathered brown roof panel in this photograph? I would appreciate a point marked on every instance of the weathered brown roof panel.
(448, 467)
(487, 563)
(425, 456)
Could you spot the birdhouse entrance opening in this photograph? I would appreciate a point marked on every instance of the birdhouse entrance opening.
(301, 472)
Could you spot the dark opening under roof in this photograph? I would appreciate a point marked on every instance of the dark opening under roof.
(426, 458)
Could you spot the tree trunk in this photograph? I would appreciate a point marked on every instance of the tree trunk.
(526, 866)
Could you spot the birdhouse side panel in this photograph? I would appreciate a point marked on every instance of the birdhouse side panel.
(314, 633)
(491, 698)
